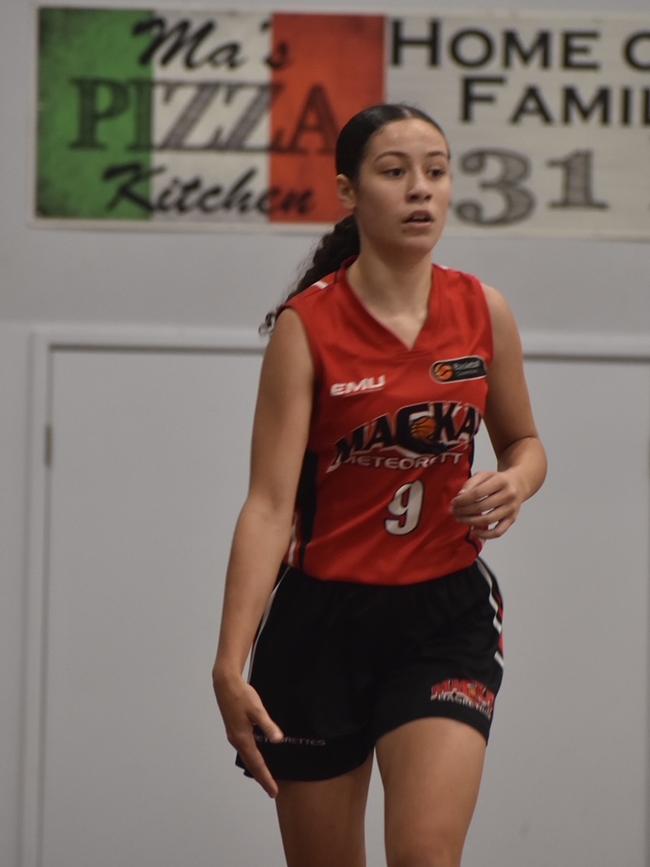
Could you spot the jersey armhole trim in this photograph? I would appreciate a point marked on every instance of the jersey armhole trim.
(313, 349)
(488, 316)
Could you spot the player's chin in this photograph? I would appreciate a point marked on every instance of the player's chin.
(423, 243)
(422, 233)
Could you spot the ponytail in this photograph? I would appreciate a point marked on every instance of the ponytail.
(333, 249)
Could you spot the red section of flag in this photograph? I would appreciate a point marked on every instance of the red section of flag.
(329, 67)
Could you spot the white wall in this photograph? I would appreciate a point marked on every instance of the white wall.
(13, 500)
(211, 278)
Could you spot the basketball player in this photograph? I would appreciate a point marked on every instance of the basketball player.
(355, 568)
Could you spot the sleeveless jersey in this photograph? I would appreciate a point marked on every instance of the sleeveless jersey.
(391, 434)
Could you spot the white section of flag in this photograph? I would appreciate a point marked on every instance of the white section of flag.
(213, 98)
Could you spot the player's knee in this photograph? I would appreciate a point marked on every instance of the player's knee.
(439, 853)
(311, 848)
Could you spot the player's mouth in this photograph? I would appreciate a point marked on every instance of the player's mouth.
(419, 218)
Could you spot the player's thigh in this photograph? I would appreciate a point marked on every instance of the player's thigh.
(431, 771)
(322, 822)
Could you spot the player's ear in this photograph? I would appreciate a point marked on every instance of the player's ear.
(345, 191)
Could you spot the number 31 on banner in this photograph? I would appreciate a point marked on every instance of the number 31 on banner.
(576, 185)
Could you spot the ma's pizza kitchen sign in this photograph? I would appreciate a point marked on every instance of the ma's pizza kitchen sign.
(152, 116)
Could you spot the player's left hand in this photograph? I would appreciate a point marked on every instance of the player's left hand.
(489, 503)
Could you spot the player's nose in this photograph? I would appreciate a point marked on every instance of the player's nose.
(420, 188)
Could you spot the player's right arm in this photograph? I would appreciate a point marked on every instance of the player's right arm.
(280, 432)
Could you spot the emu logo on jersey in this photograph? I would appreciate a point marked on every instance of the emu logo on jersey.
(369, 383)
(455, 369)
(424, 433)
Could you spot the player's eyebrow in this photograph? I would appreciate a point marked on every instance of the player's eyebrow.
(395, 153)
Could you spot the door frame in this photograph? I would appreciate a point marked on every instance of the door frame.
(47, 339)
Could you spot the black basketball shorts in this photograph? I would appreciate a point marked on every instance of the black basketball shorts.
(339, 664)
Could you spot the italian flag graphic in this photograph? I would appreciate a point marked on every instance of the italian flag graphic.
(148, 115)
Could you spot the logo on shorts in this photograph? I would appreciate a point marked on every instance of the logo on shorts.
(290, 739)
(469, 693)
(456, 369)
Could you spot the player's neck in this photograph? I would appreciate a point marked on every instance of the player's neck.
(392, 286)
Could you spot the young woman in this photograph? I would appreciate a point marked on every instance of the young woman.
(355, 564)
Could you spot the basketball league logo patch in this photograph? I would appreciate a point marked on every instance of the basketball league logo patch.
(457, 369)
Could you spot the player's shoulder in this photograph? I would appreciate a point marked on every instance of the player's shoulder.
(498, 306)
(306, 321)
(316, 296)
(458, 279)
(505, 331)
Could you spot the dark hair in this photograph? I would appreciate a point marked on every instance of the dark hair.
(351, 145)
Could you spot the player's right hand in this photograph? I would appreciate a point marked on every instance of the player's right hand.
(241, 709)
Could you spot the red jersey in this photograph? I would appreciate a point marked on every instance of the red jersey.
(391, 435)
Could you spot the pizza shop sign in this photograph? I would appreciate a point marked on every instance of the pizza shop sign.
(233, 118)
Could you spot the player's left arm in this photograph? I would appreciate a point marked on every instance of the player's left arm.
(489, 502)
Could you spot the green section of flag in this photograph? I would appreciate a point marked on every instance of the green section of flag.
(94, 111)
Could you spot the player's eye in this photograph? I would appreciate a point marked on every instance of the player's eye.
(393, 171)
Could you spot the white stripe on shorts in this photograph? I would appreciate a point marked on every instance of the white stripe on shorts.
(265, 617)
(292, 544)
(485, 572)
